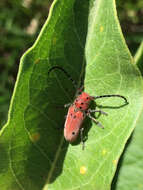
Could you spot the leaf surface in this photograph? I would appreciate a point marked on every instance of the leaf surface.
(130, 170)
(85, 39)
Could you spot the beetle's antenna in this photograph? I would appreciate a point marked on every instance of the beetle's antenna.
(111, 95)
(65, 72)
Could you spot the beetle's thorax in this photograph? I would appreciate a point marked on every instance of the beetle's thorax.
(82, 101)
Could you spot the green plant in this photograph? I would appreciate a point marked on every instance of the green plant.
(17, 34)
(84, 38)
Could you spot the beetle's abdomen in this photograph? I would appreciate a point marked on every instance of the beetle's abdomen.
(73, 123)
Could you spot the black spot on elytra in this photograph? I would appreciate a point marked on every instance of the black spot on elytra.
(73, 133)
(82, 103)
(74, 116)
(80, 107)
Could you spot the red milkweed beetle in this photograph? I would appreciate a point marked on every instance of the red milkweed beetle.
(79, 109)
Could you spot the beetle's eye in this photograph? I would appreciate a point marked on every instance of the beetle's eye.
(73, 133)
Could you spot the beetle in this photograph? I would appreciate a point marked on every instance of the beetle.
(79, 109)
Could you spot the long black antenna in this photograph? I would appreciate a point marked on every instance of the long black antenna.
(111, 95)
(65, 72)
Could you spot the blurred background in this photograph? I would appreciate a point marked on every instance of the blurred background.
(20, 23)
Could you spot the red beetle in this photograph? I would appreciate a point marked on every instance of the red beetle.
(79, 110)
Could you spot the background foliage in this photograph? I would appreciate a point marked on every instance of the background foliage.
(20, 23)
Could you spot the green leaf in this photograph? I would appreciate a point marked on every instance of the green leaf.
(34, 154)
(129, 174)
(138, 58)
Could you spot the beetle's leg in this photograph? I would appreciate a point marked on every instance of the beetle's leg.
(97, 122)
(81, 136)
(67, 105)
(83, 139)
(100, 111)
(79, 91)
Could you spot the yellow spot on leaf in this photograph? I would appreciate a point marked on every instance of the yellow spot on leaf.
(83, 169)
(101, 28)
(104, 152)
(115, 162)
(140, 186)
(37, 61)
(54, 41)
(35, 137)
